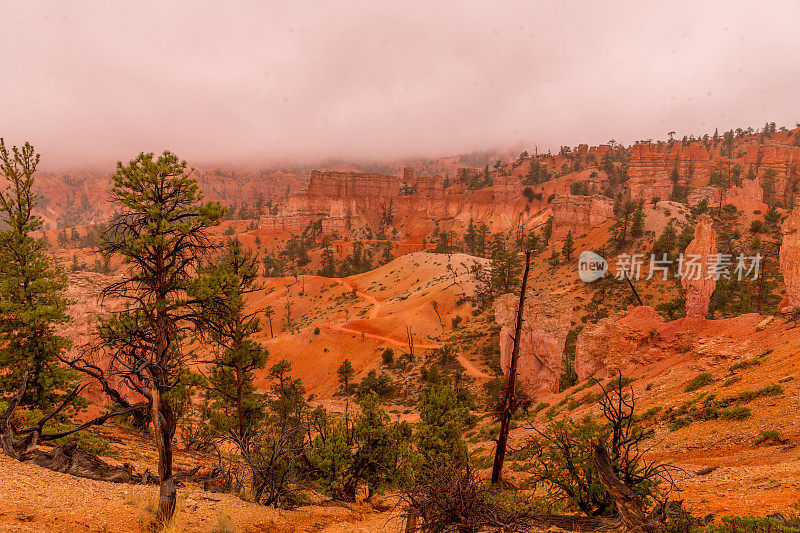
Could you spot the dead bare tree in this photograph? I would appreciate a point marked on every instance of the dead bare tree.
(509, 401)
(21, 444)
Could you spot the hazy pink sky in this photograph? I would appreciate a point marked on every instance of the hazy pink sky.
(88, 82)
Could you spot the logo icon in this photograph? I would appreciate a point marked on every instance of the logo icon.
(591, 266)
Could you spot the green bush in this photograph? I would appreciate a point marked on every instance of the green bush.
(749, 524)
(736, 413)
(699, 381)
(771, 436)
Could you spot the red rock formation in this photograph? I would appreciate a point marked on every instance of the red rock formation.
(599, 151)
(618, 342)
(709, 194)
(785, 160)
(790, 257)
(748, 197)
(645, 188)
(628, 340)
(507, 189)
(340, 201)
(649, 160)
(546, 322)
(579, 213)
(697, 271)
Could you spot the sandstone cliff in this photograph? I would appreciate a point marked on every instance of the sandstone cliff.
(544, 332)
(698, 271)
(790, 257)
(657, 160)
(579, 213)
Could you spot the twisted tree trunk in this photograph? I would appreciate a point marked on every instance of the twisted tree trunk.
(163, 431)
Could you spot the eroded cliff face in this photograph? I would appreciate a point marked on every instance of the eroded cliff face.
(343, 202)
(546, 322)
(784, 160)
(340, 201)
(618, 342)
(747, 197)
(698, 278)
(790, 257)
(579, 213)
(653, 162)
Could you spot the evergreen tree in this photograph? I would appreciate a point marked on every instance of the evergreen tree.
(470, 237)
(386, 256)
(345, 373)
(481, 239)
(547, 230)
(506, 266)
(554, 260)
(235, 408)
(443, 419)
(161, 235)
(568, 248)
(328, 262)
(31, 289)
(637, 222)
(621, 228)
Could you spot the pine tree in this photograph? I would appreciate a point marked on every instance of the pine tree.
(345, 373)
(621, 228)
(235, 407)
(443, 418)
(161, 235)
(547, 230)
(470, 237)
(328, 263)
(506, 266)
(554, 260)
(637, 223)
(568, 247)
(31, 289)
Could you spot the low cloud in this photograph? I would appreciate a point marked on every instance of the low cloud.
(92, 82)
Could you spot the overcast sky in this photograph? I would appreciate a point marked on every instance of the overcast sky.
(89, 82)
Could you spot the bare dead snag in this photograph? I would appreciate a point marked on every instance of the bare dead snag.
(509, 400)
(68, 459)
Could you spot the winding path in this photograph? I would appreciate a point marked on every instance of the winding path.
(468, 365)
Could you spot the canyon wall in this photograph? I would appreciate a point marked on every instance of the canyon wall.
(579, 213)
(790, 257)
(655, 161)
(784, 160)
(345, 202)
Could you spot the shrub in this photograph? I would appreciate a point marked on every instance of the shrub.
(749, 524)
(387, 356)
(699, 381)
(379, 384)
(316, 331)
(740, 365)
(771, 436)
(564, 458)
(736, 413)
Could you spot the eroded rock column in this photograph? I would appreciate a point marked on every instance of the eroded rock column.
(698, 267)
(546, 322)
